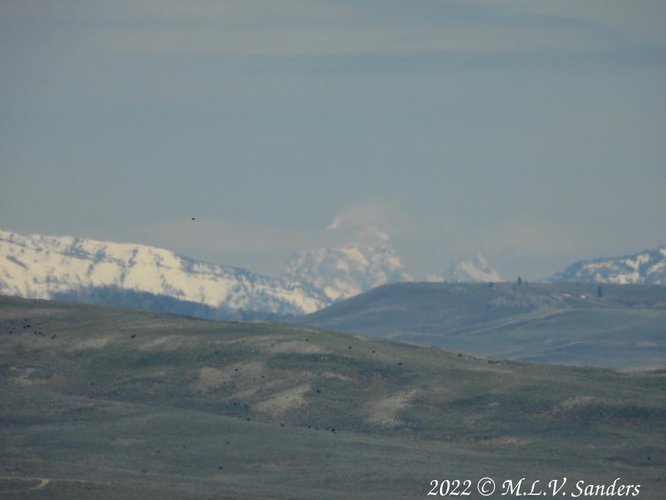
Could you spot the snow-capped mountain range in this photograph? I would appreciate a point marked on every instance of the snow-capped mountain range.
(647, 267)
(347, 271)
(78, 269)
(44, 267)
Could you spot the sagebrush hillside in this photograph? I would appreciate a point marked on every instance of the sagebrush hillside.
(116, 403)
(612, 326)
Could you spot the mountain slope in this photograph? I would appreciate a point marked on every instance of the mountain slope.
(474, 269)
(648, 267)
(347, 271)
(553, 323)
(39, 266)
(100, 402)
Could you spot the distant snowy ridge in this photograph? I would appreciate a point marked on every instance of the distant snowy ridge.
(477, 269)
(85, 270)
(647, 267)
(44, 267)
(473, 269)
(347, 271)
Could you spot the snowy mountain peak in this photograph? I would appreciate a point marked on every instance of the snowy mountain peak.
(347, 271)
(37, 266)
(647, 267)
(474, 268)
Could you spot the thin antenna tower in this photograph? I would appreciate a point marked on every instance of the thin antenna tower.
(452, 269)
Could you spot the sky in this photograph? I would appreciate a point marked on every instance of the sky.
(532, 132)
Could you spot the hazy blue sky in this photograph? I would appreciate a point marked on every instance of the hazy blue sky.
(531, 131)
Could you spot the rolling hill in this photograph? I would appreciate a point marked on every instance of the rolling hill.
(551, 323)
(100, 402)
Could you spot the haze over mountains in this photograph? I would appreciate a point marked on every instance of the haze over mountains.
(84, 270)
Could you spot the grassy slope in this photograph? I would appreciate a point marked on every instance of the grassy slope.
(109, 403)
(554, 323)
